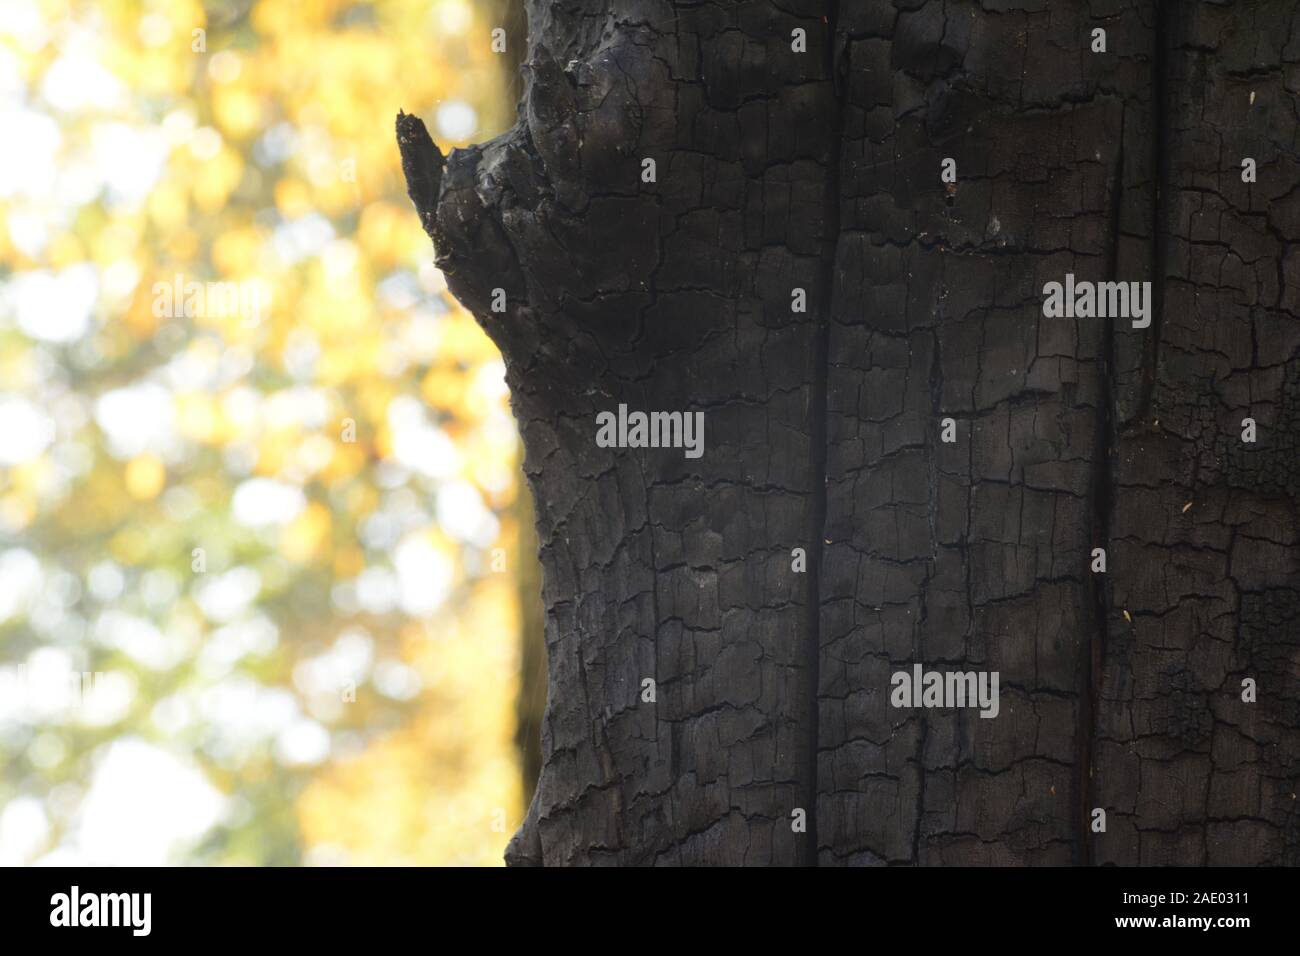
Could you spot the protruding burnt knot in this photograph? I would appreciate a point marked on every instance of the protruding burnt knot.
(458, 199)
(422, 165)
(543, 211)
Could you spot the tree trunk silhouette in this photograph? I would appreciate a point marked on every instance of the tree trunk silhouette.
(829, 537)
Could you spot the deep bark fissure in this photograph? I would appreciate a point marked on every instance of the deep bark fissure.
(1094, 649)
(819, 413)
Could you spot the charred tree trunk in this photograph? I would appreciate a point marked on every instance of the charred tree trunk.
(905, 461)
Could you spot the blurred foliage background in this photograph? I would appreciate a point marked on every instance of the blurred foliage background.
(259, 595)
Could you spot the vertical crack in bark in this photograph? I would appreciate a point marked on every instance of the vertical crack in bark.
(1108, 422)
(820, 412)
(1094, 650)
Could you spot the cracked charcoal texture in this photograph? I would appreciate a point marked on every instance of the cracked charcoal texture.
(820, 171)
(1193, 774)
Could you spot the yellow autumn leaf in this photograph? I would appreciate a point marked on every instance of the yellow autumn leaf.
(145, 477)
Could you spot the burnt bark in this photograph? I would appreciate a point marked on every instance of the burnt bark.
(819, 171)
